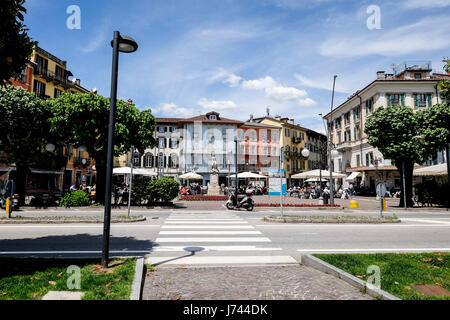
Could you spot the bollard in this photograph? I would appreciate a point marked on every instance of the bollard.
(353, 204)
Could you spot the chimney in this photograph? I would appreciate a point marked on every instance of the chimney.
(251, 118)
(380, 75)
(285, 120)
(277, 118)
(291, 121)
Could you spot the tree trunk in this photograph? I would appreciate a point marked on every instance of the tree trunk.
(409, 167)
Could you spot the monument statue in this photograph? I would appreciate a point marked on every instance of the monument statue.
(213, 188)
(214, 164)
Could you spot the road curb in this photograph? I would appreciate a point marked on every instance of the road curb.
(136, 287)
(316, 263)
(334, 221)
(55, 221)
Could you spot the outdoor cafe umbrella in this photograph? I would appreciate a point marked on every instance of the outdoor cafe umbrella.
(136, 171)
(248, 175)
(315, 180)
(317, 174)
(191, 176)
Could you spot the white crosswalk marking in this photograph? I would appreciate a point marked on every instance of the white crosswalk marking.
(195, 237)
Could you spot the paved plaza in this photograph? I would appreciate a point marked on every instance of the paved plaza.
(252, 283)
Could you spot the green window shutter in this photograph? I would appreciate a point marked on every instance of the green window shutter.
(402, 97)
(389, 100)
(367, 106)
(429, 102)
(416, 103)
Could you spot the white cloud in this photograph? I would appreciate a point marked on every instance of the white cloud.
(233, 80)
(172, 110)
(414, 4)
(216, 105)
(277, 92)
(281, 93)
(308, 102)
(428, 34)
(259, 84)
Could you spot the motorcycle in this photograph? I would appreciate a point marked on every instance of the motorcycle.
(8, 192)
(14, 202)
(245, 202)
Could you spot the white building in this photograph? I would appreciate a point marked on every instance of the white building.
(206, 136)
(412, 85)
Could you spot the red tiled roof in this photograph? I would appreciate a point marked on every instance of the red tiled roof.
(174, 120)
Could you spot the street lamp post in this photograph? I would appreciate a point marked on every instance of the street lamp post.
(236, 164)
(329, 147)
(120, 43)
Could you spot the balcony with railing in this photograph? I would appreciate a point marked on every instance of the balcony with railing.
(52, 76)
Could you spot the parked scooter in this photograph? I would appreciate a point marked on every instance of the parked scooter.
(245, 202)
(8, 191)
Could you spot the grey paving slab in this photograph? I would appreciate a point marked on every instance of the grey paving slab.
(249, 283)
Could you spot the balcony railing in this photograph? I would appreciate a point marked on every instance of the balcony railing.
(52, 76)
(343, 146)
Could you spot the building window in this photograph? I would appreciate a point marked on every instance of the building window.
(162, 129)
(173, 161)
(356, 113)
(294, 134)
(173, 143)
(358, 160)
(212, 117)
(137, 160)
(357, 132)
(337, 123)
(39, 88)
(417, 75)
(422, 100)
(173, 129)
(162, 143)
(395, 99)
(287, 132)
(57, 93)
(347, 118)
(148, 160)
(369, 106)
(22, 76)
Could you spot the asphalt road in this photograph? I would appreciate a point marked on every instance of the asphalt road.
(226, 238)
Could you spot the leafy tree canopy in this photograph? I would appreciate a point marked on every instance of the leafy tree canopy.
(15, 44)
(23, 123)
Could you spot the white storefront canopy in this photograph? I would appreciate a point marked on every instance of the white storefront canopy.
(136, 171)
(352, 176)
(316, 174)
(437, 170)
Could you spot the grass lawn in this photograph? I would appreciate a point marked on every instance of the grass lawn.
(398, 271)
(31, 279)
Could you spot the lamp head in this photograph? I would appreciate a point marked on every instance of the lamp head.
(126, 44)
(50, 147)
(305, 153)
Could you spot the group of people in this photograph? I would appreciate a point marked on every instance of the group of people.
(193, 189)
(315, 191)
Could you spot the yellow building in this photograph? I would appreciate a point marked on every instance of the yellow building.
(293, 140)
(51, 77)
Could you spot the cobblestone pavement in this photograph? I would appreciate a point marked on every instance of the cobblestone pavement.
(247, 283)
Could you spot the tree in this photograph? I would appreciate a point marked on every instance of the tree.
(395, 132)
(392, 130)
(24, 130)
(15, 44)
(82, 119)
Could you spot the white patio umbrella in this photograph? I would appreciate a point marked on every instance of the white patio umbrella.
(122, 170)
(246, 175)
(191, 176)
(316, 174)
(315, 180)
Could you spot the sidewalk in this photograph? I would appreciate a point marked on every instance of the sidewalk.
(249, 283)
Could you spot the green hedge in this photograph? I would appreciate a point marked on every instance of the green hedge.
(74, 199)
(161, 190)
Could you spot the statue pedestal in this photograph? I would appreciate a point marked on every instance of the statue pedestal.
(214, 189)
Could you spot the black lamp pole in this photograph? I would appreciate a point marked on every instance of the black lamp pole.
(123, 44)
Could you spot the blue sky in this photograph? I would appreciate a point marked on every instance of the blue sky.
(239, 57)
